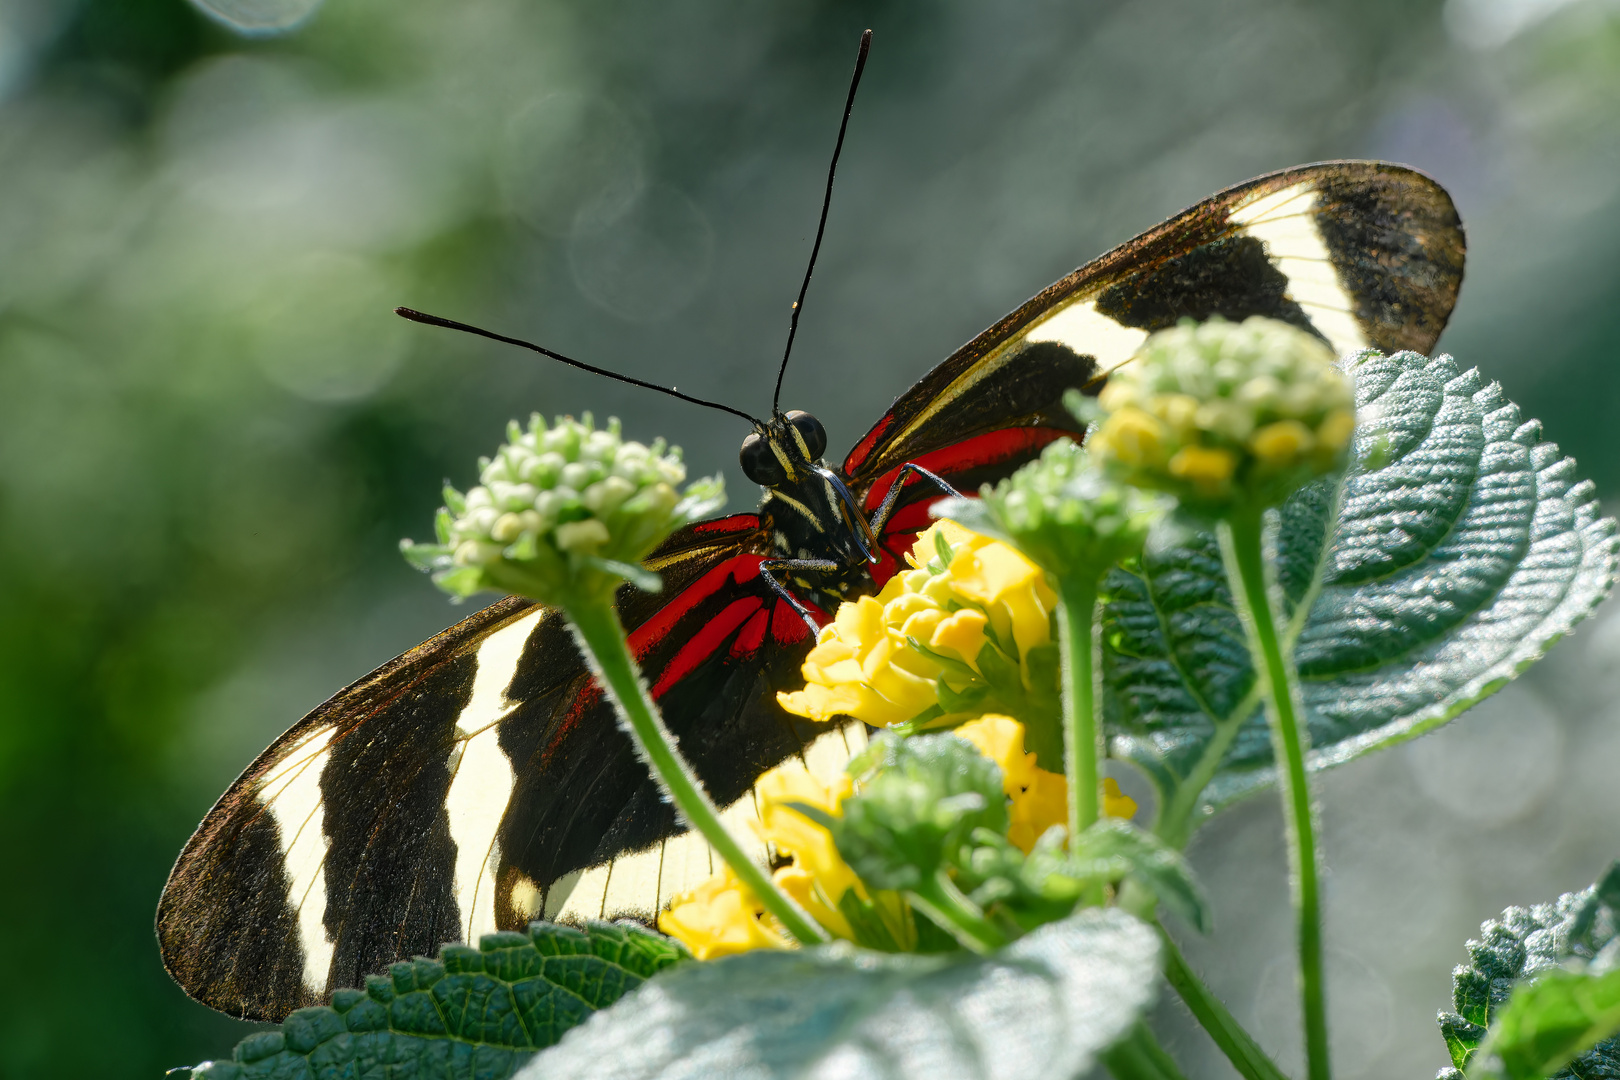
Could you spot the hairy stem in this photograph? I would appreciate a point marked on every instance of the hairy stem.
(1138, 1056)
(601, 639)
(1236, 1043)
(1241, 542)
(1077, 612)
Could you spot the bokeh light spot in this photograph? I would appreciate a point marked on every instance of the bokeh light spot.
(1494, 764)
(259, 16)
(647, 264)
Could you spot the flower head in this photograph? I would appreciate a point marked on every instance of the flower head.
(968, 625)
(817, 877)
(1039, 799)
(1220, 414)
(564, 510)
(721, 917)
(1061, 512)
(921, 801)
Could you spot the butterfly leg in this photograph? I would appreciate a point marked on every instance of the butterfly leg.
(768, 568)
(881, 518)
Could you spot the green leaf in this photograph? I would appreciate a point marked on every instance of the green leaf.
(1045, 1006)
(1463, 549)
(1551, 1021)
(639, 576)
(1492, 1028)
(473, 1012)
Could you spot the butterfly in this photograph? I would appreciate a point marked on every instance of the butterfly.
(481, 781)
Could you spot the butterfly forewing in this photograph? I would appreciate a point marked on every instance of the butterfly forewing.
(480, 780)
(1360, 253)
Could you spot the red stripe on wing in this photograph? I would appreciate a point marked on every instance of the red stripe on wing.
(857, 456)
(898, 537)
(981, 451)
(786, 626)
(735, 523)
(752, 636)
(735, 571)
(702, 645)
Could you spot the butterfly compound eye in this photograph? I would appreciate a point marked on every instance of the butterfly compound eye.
(809, 429)
(759, 463)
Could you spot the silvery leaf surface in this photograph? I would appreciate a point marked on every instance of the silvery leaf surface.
(1045, 1006)
(1463, 547)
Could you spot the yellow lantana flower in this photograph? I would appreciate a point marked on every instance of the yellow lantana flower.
(867, 663)
(818, 876)
(722, 917)
(719, 918)
(1040, 799)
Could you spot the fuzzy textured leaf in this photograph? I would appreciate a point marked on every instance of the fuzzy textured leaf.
(1045, 1006)
(473, 1013)
(1549, 1022)
(1497, 993)
(1464, 547)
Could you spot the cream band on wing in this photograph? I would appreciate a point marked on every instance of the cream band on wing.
(291, 792)
(641, 884)
(1285, 222)
(482, 778)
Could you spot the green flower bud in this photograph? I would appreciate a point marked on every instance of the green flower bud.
(1222, 414)
(562, 511)
(1061, 512)
(920, 801)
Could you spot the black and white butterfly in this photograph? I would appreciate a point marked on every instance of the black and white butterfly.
(480, 780)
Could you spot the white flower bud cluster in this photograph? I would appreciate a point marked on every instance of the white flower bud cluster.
(556, 501)
(567, 484)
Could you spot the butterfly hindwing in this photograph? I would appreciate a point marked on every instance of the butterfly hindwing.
(474, 783)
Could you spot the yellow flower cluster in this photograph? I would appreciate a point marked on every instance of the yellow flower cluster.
(1211, 409)
(1040, 799)
(866, 663)
(722, 916)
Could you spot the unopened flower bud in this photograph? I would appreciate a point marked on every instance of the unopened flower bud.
(1062, 513)
(1222, 414)
(562, 511)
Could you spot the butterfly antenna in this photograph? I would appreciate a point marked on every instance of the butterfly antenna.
(821, 227)
(466, 328)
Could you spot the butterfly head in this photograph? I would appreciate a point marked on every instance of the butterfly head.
(784, 450)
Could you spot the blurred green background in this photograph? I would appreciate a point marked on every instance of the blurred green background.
(213, 432)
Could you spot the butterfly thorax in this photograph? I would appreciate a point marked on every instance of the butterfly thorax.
(810, 513)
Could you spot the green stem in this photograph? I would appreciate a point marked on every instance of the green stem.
(1077, 611)
(1237, 1044)
(938, 898)
(1138, 1056)
(1241, 542)
(1176, 821)
(601, 639)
